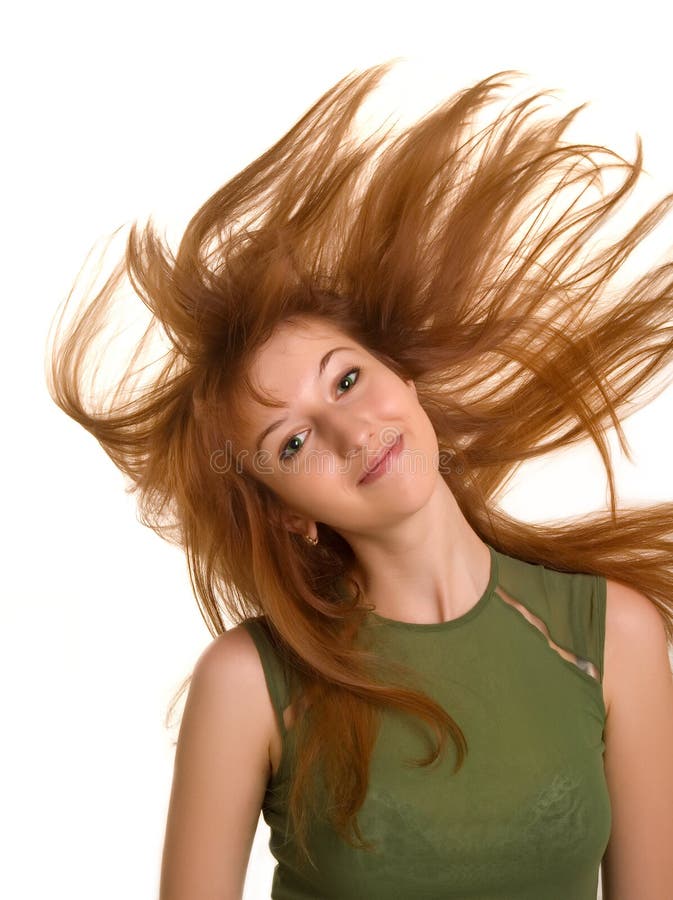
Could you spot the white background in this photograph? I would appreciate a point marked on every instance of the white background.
(115, 111)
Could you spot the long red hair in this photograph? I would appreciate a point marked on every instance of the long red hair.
(456, 251)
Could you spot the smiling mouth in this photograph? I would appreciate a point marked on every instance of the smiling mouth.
(379, 468)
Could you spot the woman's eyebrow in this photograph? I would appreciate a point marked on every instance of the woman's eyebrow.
(321, 368)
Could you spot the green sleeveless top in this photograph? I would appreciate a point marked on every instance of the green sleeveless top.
(527, 816)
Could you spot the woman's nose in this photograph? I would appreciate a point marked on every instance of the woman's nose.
(351, 434)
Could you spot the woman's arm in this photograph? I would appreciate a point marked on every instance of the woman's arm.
(220, 773)
(638, 862)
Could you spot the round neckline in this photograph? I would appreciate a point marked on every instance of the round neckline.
(450, 623)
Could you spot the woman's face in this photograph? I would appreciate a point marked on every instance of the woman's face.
(344, 408)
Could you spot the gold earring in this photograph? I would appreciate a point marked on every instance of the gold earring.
(310, 540)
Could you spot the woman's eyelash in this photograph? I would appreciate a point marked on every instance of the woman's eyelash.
(284, 450)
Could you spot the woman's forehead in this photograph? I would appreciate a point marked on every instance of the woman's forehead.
(300, 334)
(292, 350)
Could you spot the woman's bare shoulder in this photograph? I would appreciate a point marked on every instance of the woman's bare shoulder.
(234, 643)
(631, 620)
(638, 745)
(233, 653)
(221, 772)
(232, 658)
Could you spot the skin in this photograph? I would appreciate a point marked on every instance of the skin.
(418, 560)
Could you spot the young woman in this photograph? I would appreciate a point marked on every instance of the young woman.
(423, 695)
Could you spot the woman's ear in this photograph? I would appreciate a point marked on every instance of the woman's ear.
(299, 524)
(410, 383)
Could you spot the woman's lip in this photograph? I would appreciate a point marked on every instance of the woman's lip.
(382, 467)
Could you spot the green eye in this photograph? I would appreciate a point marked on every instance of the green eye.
(288, 451)
(285, 454)
(355, 372)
